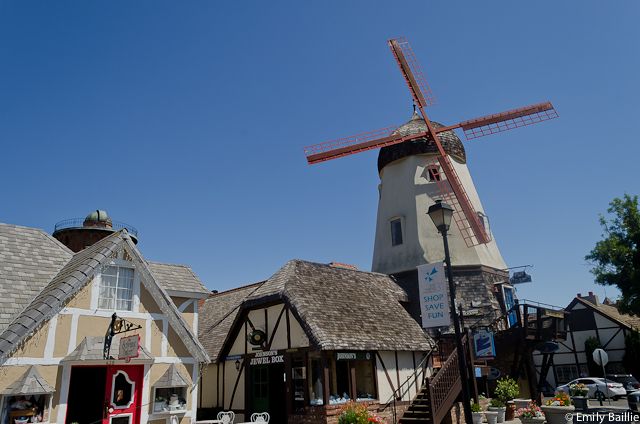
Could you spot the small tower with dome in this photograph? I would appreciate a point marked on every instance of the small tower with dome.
(78, 233)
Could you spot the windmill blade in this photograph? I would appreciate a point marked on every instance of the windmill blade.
(412, 72)
(508, 120)
(453, 192)
(356, 143)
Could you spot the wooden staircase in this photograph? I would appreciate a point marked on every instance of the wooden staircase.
(438, 394)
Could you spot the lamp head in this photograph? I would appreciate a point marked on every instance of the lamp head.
(441, 214)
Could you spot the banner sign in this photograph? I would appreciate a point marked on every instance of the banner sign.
(129, 347)
(346, 356)
(434, 298)
(483, 344)
(267, 357)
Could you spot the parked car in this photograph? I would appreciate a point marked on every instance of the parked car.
(627, 380)
(598, 387)
(633, 399)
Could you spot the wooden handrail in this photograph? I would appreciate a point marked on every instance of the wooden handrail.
(445, 386)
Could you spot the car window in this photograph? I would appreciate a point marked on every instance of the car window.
(587, 381)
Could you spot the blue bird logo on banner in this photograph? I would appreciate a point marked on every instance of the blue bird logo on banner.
(429, 276)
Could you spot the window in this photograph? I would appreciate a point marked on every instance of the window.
(396, 232)
(433, 173)
(484, 221)
(315, 380)
(116, 289)
(365, 385)
(169, 399)
(566, 373)
(31, 407)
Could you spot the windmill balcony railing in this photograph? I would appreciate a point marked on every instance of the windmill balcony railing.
(79, 223)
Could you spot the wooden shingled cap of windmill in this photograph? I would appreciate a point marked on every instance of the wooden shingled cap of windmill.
(450, 187)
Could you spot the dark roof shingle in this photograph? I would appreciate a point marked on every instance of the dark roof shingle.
(340, 308)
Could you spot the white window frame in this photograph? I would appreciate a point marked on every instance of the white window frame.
(48, 401)
(113, 387)
(128, 414)
(97, 282)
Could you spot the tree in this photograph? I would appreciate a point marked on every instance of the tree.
(616, 258)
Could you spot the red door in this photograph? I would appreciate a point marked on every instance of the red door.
(123, 394)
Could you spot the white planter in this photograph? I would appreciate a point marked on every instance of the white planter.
(558, 414)
(477, 417)
(500, 410)
(491, 416)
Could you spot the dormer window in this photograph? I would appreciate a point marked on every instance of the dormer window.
(433, 173)
(116, 289)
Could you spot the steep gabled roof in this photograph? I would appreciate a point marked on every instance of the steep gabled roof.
(217, 315)
(173, 277)
(339, 308)
(29, 259)
(609, 311)
(31, 383)
(75, 274)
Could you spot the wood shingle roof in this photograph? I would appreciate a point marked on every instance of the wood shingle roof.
(339, 308)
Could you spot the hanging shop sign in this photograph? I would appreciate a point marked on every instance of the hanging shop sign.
(129, 347)
(520, 277)
(352, 356)
(267, 357)
(434, 298)
(483, 344)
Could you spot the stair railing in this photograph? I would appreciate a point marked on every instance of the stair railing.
(408, 383)
(444, 387)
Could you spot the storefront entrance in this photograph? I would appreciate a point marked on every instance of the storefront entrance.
(267, 391)
(106, 394)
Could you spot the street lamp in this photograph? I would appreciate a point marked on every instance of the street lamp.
(441, 213)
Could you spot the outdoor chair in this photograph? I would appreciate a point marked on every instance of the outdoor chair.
(226, 417)
(261, 417)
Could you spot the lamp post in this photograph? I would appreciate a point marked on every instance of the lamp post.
(441, 213)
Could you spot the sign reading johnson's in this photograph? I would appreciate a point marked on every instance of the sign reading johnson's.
(434, 300)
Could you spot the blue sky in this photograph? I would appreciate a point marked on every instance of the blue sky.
(188, 120)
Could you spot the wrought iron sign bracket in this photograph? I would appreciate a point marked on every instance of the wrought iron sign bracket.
(116, 326)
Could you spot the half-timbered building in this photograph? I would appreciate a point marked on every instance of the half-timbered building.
(309, 339)
(95, 334)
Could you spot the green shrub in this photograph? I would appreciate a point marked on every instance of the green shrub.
(507, 389)
(496, 403)
(475, 407)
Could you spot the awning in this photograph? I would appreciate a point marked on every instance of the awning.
(31, 383)
(171, 378)
(92, 349)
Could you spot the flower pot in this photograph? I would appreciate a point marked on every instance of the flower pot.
(522, 403)
(510, 411)
(477, 417)
(536, 420)
(580, 402)
(491, 416)
(558, 414)
(500, 410)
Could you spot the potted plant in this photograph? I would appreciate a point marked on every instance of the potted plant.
(579, 394)
(531, 414)
(558, 409)
(353, 413)
(498, 406)
(506, 390)
(476, 411)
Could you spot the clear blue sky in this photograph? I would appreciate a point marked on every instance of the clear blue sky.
(188, 119)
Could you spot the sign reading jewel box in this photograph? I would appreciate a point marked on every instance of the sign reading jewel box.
(267, 357)
(434, 300)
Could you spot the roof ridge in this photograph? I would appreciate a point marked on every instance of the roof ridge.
(168, 263)
(235, 289)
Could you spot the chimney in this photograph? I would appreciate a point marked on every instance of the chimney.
(592, 298)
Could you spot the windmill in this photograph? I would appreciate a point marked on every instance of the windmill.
(451, 189)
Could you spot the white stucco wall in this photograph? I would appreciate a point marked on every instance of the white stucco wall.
(406, 192)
